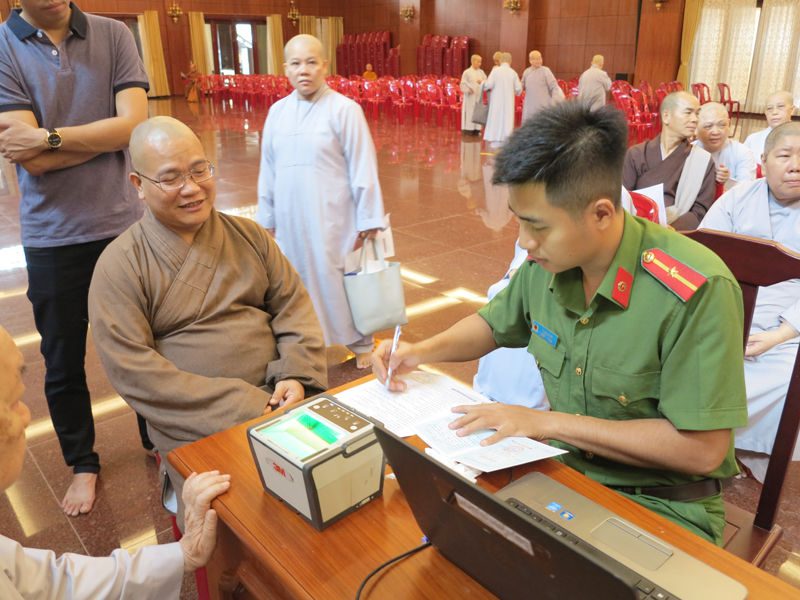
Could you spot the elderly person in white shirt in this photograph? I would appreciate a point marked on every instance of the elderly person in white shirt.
(734, 161)
(153, 573)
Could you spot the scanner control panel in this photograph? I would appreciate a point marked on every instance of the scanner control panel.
(337, 414)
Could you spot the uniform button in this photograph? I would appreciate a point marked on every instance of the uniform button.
(55, 52)
(584, 321)
(578, 371)
(39, 34)
(589, 455)
(623, 399)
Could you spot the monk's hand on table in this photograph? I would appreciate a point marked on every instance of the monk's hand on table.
(200, 536)
(287, 391)
(507, 420)
(403, 360)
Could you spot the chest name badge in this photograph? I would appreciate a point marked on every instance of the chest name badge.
(544, 333)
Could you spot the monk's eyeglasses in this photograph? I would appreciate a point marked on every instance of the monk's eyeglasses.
(176, 181)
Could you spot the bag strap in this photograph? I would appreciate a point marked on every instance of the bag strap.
(376, 250)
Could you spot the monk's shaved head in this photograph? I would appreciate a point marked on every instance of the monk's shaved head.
(598, 60)
(673, 100)
(780, 132)
(713, 110)
(306, 42)
(780, 96)
(151, 132)
(497, 55)
(534, 53)
(505, 57)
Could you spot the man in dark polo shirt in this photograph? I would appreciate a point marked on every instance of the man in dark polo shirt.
(72, 88)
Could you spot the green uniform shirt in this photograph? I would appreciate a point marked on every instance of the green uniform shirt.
(657, 358)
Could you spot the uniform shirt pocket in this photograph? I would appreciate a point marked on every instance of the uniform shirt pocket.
(622, 396)
(550, 361)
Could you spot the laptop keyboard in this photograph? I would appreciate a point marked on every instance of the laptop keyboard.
(645, 590)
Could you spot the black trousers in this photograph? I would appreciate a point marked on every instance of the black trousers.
(58, 288)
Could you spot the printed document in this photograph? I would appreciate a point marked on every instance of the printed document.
(467, 450)
(427, 395)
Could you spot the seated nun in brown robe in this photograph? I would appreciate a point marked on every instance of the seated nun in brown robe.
(687, 172)
(199, 320)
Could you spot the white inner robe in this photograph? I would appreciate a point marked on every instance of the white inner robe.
(737, 158)
(748, 210)
(505, 84)
(318, 187)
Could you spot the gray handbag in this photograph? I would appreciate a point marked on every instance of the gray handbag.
(481, 111)
(376, 299)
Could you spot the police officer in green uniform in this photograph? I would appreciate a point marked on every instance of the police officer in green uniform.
(637, 330)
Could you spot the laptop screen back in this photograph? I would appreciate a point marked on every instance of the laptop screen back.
(511, 556)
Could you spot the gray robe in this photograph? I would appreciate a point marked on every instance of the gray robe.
(194, 338)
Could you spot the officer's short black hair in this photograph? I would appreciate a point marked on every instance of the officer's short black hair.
(575, 151)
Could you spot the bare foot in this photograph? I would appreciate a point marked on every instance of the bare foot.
(364, 361)
(80, 495)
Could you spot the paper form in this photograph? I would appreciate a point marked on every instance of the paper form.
(467, 450)
(427, 395)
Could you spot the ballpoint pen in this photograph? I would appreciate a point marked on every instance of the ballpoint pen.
(395, 341)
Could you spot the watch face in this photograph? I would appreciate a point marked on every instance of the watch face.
(54, 139)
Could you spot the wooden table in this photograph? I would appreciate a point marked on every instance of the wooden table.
(266, 551)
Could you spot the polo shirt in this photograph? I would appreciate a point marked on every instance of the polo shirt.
(72, 85)
(639, 351)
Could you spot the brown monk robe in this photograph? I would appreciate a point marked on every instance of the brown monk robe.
(196, 332)
(687, 172)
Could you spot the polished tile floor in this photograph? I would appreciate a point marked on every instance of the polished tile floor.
(453, 234)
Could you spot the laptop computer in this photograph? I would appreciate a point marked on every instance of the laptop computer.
(537, 538)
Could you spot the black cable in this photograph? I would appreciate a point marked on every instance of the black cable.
(388, 562)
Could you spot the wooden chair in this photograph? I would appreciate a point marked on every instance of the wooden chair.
(757, 263)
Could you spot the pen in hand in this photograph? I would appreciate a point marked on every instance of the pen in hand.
(395, 341)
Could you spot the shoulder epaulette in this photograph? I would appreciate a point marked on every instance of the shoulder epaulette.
(680, 279)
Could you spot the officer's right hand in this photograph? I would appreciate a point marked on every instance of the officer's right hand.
(404, 360)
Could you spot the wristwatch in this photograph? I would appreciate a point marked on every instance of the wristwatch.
(53, 139)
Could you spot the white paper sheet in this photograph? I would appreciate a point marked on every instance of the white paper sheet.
(467, 450)
(427, 395)
(656, 194)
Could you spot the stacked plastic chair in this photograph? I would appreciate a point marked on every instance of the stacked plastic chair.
(725, 100)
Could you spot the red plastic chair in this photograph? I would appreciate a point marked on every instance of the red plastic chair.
(646, 207)
(455, 99)
(519, 102)
(399, 103)
(564, 88)
(372, 98)
(436, 102)
(725, 99)
(701, 91)
(759, 172)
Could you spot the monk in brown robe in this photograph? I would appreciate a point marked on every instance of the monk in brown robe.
(687, 172)
(199, 320)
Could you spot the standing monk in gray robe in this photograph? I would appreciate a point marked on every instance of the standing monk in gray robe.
(318, 188)
(199, 320)
(541, 87)
(686, 171)
(594, 84)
